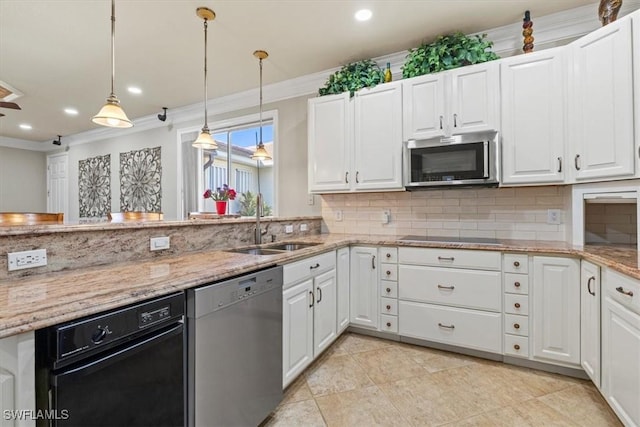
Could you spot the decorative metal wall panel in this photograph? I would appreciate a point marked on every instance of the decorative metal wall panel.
(140, 181)
(94, 185)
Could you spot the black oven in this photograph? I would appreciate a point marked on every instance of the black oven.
(120, 368)
(460, 160)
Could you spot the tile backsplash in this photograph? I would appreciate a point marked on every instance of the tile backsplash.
(611, 223)
(506, 213)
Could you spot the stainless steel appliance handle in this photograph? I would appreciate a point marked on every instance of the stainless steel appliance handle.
(485, 174)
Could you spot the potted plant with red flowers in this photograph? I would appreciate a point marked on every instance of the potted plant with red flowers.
(221, 196)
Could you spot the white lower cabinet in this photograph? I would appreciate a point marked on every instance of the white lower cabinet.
(556, 310)
(621, 345)
(363, 300)
(590, 291)
(342, 279)
(17, 378)
(309, 315)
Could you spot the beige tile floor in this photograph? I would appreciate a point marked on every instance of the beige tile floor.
(365, 381)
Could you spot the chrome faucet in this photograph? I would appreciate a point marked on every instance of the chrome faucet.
(258, 235)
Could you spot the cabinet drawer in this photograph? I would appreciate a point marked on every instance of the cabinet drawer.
(465, 288)
(389, 306)
(515, 263)
(622, 289)
(387, 254)
(309, 267)
(516, 304)
(459, 258)
(516, 346)
(516, 324)
(389, 323)
(388, 289)
(479, 330)
(389, 271)
(516, 283)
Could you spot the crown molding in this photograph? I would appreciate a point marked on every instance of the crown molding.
(23, 144)
(549, 31)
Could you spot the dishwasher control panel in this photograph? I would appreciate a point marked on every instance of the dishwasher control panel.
(223, 294)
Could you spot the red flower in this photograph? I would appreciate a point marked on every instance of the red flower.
(207, 194)
(232, 194)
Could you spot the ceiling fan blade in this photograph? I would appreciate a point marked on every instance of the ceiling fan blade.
(11, 105)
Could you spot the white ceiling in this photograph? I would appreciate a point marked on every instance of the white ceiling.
(57, 52)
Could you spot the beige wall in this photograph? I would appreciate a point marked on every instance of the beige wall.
(23, 180)
(506, 213)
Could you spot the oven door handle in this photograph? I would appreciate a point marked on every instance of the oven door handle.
(486, 159)
(119, 353)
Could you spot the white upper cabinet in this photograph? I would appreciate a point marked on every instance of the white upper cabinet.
(356, 145)
(329, 142)
(475, 93)
(458, 101)
(423, 107)
(601, 130)
(533, 117)
(378, 138)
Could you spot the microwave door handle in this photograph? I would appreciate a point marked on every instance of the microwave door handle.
(486, 159)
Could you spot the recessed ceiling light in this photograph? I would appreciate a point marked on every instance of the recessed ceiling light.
(134, 90)
(71, 111)
(25, 126)
(363, 15)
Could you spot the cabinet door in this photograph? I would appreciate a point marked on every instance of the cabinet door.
(363, 305)
(423, 107)
(378, 138)
(17, 377)
(324, 311)
(601, 103)
(342, 278)
(297, 334)
(533, 130)
(590, 291)
(620, 361)
(556, 309)
(475, 93)
(329, 142)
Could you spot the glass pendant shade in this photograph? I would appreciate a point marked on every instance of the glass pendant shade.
(205, 141)
(112, 115)
(261, 153)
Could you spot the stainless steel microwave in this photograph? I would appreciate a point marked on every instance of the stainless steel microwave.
(471, 159)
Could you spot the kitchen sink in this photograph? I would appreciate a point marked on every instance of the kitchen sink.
(292, 246)
(274, 249)
(257, 251)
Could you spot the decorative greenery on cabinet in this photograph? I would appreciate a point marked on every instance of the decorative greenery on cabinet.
(448, 52)
(352, 77)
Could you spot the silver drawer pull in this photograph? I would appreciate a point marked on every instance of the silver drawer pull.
(445, 258)
(622, 291)
(450, 288)
(313, 267)
(446, 326)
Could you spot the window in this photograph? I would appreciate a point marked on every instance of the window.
(231, 164)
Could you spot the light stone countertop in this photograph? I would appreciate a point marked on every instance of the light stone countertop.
(38, 301)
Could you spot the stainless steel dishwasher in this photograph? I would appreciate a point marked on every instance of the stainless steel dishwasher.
(235, 350)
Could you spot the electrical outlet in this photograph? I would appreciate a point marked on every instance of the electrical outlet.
(288, 228)
(337, 215)
(159, 243)
(311, 201)
(386, 216)
(27, 259)
(554, 216)
(304, 227)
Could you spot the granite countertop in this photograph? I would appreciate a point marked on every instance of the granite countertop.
(42, 300)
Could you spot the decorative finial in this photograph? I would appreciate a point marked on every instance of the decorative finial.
(527, 32)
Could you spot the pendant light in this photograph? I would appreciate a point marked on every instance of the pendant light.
(261, 153)
(204, 140)
(112, 115)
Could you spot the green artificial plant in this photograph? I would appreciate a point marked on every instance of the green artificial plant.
(447, 52)
(352, 77)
